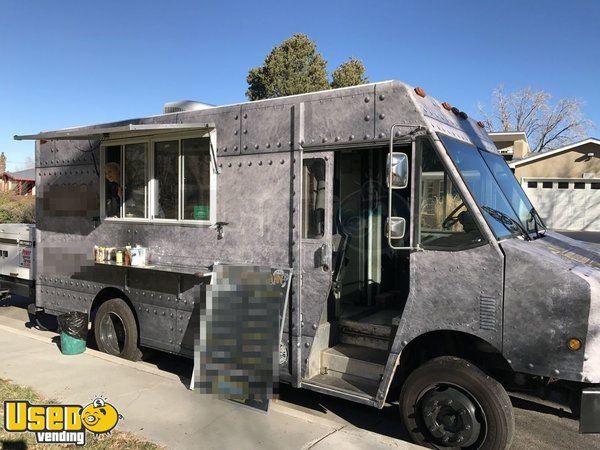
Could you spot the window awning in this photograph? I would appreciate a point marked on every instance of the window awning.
(115, 132)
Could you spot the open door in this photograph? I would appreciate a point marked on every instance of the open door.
(316, 244)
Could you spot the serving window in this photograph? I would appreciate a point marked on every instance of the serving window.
(163, 179)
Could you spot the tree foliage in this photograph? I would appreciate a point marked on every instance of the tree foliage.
(547, 124)
(292, 67)
(349, 73)
(296, 67)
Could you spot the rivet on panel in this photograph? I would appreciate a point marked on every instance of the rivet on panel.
(256, 146)
(381, 135)
(245, 147)
(337, 138)
(382, 97)
(245, 131)
(279, 144)
(367, 99)
(228, 164)
(249, 163)
(367, 136)
(367, 118)
(239, 164)
(270, 162)
(382, 116)
(260, 163)
(245, 116)
(282, 162)
(235, 147)
(268, 145)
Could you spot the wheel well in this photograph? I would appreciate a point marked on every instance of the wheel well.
(108, 294)
(452, 343)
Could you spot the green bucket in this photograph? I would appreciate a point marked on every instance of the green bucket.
(201, 212)
(70, 345)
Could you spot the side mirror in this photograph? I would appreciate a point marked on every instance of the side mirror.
(395, 228)
(397, 165)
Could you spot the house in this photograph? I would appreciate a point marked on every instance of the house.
(511, 144)
(563, 184)
(20, 183)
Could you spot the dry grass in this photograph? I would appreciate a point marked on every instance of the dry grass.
(21, 441)
(16, 208)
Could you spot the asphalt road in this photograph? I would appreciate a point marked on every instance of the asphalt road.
(593, 237)
(538, 426)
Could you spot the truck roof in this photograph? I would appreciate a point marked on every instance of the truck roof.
(354, 115)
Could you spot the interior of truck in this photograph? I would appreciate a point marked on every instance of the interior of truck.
(370, 278)
(370, 281)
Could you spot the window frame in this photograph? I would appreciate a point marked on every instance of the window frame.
(152, 182)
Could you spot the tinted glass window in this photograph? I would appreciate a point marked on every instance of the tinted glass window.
(484, 188)
(113, 181)
(135, 186)
(166, 174)
(313, 198)
(445, 222)
(196, 178)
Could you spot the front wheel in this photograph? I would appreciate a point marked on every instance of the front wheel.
(448, 402)
(115, 330)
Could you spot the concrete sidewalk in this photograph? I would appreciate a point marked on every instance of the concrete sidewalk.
(157, 405)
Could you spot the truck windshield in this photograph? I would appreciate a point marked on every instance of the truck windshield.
(500, 197)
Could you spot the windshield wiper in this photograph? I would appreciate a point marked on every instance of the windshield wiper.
(537, 220)
(507, 221)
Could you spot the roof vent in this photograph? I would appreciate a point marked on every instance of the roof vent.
(185, 105)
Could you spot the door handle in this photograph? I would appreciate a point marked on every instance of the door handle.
(324, 256)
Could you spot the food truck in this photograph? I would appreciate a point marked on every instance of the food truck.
(420, 271)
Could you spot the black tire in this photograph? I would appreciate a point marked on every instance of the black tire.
(461, 405)
(115, 330)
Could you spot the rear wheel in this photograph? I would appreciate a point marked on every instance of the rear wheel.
(115, 330)
(448, 402)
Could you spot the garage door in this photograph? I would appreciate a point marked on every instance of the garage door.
(566, 204)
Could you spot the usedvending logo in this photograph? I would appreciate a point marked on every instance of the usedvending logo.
(60, 424)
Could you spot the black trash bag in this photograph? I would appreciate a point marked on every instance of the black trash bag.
(74, 323)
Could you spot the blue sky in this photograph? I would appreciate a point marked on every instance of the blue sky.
(68, 63)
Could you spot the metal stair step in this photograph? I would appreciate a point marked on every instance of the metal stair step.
(362, 362)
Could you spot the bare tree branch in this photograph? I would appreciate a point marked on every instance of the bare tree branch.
(546, 126)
